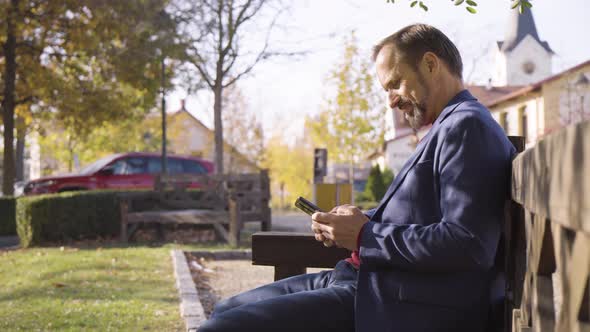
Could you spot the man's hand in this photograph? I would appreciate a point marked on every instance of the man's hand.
(341, 225)
(318, 233)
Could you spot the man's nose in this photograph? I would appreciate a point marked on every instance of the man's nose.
(394, 98)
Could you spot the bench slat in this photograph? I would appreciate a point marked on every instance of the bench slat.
(295, 249)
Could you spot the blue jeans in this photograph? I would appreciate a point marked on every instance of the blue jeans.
(320, 302)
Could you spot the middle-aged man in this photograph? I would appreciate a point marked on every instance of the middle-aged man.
(423, 259)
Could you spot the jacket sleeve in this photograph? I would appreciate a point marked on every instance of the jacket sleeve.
(473, 170)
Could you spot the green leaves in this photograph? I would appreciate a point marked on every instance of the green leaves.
(522, 5)
(423, 6)
(470, 4)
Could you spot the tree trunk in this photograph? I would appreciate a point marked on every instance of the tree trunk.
(20, 148)
(8, 104)
(218, 91)
(351, 171)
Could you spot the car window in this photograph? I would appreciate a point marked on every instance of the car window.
(135, 165)
(175, 166)
(193, 167)
(154, 165)
(97, 165)
(118, 167)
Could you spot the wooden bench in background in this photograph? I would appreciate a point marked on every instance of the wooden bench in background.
(225, 202)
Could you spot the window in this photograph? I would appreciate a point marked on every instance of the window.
(175, 166)
(154, 165)
(523, 122)
(135, 165)
(503, 121)
(118, 167)
(193, 167)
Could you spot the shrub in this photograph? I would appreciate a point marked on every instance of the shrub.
(7, 216)
(375, 188)
(387, 176)
(67, 216)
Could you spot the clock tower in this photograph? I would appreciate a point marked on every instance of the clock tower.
(522, 58)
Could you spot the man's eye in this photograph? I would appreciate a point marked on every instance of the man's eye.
(394, 85)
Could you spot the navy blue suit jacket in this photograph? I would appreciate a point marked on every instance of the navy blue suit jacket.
(428, 249)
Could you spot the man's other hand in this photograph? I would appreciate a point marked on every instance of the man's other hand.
(341, 225)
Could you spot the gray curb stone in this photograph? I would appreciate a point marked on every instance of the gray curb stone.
(191, 309)
(224, 254)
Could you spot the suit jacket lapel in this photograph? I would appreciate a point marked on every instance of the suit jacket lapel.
(403, 172)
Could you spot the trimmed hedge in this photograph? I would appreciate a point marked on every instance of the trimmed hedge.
(67, 216)
(7, 216)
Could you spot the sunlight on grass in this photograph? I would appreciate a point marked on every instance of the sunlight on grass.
(90, 289)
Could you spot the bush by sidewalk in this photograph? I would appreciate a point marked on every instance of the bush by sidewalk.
(7, 216)
(67, 216)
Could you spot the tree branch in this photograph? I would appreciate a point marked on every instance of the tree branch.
(199, 63)
(261, 55)
(25, 100)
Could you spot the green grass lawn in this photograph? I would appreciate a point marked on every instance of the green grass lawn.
(89, 289)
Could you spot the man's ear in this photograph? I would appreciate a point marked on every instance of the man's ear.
(431, 63)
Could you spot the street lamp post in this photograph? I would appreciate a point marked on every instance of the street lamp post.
(164, 159)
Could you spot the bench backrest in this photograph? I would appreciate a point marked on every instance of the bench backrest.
(192, 191)
(549, 275)
(211, 191)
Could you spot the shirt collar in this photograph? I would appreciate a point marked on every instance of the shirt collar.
(462, 96)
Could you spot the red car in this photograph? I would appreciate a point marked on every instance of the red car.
(120, 171)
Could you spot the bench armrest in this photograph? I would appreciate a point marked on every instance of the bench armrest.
(291, 253)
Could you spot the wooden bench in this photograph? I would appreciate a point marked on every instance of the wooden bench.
(224, 202)
(292, 253)
(549, 263)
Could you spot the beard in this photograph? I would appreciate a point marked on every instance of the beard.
(417, 116)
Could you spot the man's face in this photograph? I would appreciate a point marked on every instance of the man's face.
(405, 87)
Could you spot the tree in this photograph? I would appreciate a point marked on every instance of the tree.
(243, 131)
(471, 4)
(350, 124)
(290, 168)
(388, 177)
(375, 188)
(83, 63)
(218, 52)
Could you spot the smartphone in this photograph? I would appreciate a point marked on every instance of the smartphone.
(307, 206)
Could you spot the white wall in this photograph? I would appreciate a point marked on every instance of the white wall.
(499, 74)
(527, 50)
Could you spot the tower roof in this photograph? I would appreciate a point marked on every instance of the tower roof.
(519, 26)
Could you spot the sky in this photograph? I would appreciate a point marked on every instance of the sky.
(281, 92)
